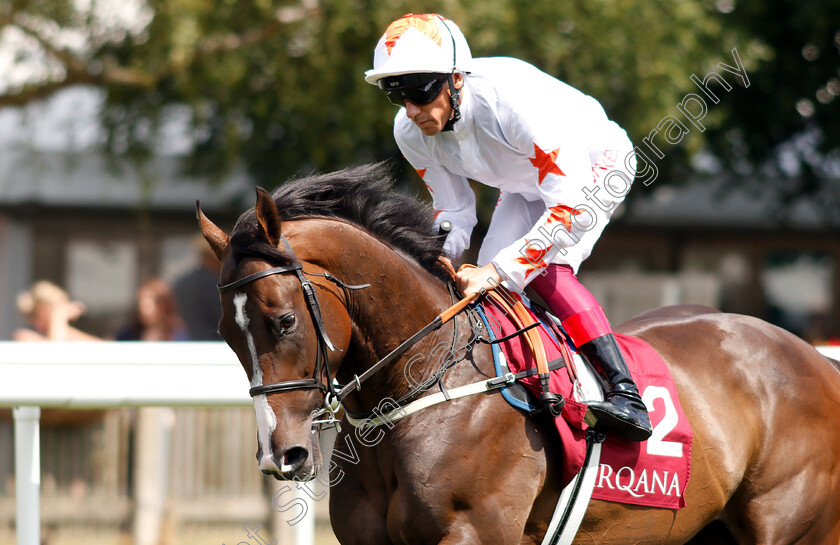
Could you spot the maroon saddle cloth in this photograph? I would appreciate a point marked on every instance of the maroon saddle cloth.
(654, 472)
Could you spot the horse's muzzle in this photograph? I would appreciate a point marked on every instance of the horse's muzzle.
(291, 464)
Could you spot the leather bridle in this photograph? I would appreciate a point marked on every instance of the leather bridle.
(325, 345)
(334, 394)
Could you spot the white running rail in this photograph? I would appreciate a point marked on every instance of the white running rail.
(104, 375)
(117, 374)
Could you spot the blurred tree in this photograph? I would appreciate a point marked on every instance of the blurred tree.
(784, 135)
(278, 84)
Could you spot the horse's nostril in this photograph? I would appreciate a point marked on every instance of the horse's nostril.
(293, 459)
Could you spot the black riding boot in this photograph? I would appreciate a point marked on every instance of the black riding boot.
(623, 409)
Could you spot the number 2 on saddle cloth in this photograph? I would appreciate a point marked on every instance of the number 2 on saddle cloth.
(653, 472)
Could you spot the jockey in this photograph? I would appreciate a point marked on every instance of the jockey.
(562, 168)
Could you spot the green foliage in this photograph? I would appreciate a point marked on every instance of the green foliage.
(786, 125)
(278, 84)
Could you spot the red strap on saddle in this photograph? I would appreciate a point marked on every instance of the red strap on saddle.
(522, 318)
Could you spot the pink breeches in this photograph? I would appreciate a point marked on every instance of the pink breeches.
(578, 310)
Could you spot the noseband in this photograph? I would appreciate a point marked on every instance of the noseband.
(324, 343)
(334, 394)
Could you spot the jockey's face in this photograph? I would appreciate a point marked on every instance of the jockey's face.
(432, 117)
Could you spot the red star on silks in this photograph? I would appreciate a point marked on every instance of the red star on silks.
(533, 260)
(545, 162)
(422, 172)
(563, 214)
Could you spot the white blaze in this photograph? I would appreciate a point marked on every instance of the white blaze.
(266, 420)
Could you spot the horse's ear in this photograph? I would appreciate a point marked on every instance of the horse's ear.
(268, 218)
(215, 237)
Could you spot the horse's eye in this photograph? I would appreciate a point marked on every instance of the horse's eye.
(284, 323)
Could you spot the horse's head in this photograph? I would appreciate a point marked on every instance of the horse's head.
(288, 339)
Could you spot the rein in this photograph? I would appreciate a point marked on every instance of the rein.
(333, 396)
(324, 342)
(399, 351)
(559, 530)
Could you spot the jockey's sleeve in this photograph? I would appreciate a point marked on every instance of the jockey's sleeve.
(452, 197)
(561, 167)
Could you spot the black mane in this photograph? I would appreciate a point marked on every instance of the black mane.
(363, 195)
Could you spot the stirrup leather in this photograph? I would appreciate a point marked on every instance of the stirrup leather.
(551, 403)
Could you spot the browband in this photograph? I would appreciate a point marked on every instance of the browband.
(257, 275)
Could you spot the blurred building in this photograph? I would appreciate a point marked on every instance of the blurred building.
(97, 226)
(100, 230)
(709, 242)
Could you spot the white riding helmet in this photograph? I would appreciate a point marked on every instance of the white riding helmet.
(426, 43)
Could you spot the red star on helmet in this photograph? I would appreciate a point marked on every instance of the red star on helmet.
(425, 23)
(546, 162)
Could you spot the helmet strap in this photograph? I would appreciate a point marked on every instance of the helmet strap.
(454, 101)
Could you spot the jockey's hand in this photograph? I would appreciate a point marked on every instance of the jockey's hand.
(472, 280)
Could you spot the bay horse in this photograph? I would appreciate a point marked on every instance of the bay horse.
(335, 271)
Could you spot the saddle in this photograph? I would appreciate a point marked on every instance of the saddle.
(654, 472)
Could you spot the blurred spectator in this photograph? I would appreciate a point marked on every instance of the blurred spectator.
(48, 311)
(155, 316)
(197, 296)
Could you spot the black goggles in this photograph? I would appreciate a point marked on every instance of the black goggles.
(417, 88)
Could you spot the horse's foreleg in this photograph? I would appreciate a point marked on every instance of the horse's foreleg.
(358, 506)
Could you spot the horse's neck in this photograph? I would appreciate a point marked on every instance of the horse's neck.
(392, 312)
(401, 300)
